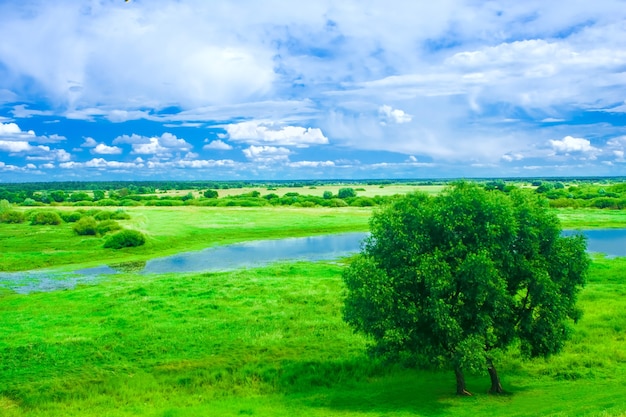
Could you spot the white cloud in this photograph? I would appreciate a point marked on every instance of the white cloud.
(311, 164)
(14, 146)
(258, 133)
(570, 144)
(164, 146)
(102, 149)
(512, 157)
(267, 154)
(391, 115)
(102, 163)
(89, 143)
(217, 145)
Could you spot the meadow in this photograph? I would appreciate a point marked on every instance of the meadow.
(267, 341)
(271, 342)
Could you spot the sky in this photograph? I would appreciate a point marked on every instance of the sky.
(274, 90)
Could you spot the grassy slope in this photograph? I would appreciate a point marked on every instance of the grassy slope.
(170, 230)
(270, 342)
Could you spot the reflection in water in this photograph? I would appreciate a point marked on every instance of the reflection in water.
(221, 258)
(611, 242)
(247, 255)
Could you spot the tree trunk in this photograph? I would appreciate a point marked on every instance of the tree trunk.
(460, 382)
(496, 387)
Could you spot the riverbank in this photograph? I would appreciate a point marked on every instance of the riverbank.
(171, 230)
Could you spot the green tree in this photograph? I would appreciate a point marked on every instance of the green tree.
(59, 196)
(346, 193)
(450, 280)
(210, 194)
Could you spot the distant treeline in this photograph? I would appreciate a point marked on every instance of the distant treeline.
(573, 192)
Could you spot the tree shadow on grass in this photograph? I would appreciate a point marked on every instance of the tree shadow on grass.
(358, 387)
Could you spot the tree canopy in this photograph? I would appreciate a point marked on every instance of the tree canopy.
(448, 280)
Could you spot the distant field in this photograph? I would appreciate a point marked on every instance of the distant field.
(361, 190)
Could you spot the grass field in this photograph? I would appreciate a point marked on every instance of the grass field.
(271, 342)
(264, 342)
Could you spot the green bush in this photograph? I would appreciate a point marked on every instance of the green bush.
(107, 202)
(107, 226)
(120, 215)
(46, 218)
(125, 239)
(86, 226)
(12, 216)
(346, 193)
(102, 215)
(71, 217)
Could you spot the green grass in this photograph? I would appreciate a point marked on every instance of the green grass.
(271, 342)
(591, 218)
(170, 230)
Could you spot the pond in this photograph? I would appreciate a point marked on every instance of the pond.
(612, 242)
(220, 258)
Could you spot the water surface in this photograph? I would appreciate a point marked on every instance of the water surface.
(611, 242)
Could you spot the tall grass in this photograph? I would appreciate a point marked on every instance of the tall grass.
(271, 342)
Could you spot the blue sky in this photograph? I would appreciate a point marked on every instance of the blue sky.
(277, 89)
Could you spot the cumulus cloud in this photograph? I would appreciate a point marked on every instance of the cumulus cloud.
(391, 115)
(89, 143)
(259, 133)
(267, 154)
(217, 145)
(103, 149)
(163, 146)
(570, 144)
(311, 164)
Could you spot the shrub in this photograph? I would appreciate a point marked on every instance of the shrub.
(107, 226)
(362, 202)
(72, 217)
(5, 206)
(107, 202)
(346, 193)
(102, 215)
(86, 226)
(210, 194)
(337, 202)
(46, 218)
(12, 216)
(30, 202)
(125, 239)
(120, 215)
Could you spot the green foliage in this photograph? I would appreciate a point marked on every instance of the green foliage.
(59, 196)
(447, 280)
(107, 226)
(12, 216)
(86, 226)
(210, 194)
(80, 196)
(344, 193)
(119, 215)
(5, 206)
(125, 239)
(47, 217)
(70, 217)
(102, 215)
